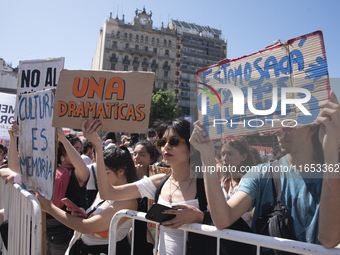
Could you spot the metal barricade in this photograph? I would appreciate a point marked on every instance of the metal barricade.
(233, 235)
(24, 216)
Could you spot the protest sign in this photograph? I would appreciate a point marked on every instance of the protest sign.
(39, 74)
(7, 105)
(37, 142)
(121, 100)
(278, 87)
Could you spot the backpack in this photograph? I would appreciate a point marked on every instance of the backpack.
(276, 221)
(198, 244)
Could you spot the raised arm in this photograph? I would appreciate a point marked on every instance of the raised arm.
(81, 171)
(98, 223)
(106, 190)
(222, 213)
(329, 223)
(13, 155)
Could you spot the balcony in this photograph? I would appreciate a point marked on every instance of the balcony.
(154, 66)
(113, 59)
(126, 61)
(135, 63)
(141, 52)
(145, 64)
(166, 67)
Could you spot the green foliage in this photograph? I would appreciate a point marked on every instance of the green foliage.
(163, 106)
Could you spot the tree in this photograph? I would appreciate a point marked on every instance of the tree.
(163, 106)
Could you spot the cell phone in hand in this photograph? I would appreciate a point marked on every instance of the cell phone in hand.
(155, 213)
(73, 207)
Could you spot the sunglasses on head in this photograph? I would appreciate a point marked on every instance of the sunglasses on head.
(173, 141)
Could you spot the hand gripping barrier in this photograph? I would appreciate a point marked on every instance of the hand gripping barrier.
(233, 235)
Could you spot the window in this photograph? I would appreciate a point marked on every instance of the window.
(130, 36)
(142, 38)
(157, 41)
(135, 68)
(169, 42)
(146, 48)
(167, 52)
(126, 46)
(113, 55)
(145, 60)
(125, 35)
(166, 73)
(126, 68)
(113, 66)
(136, 47)
(137, 37)
(114, 44)
(165, 85)
(153, 40)
(144, 69)
(135, 59)
(164, 41)
(154, 62)
(154, 50)
(118, 33)
(166, 63)
(146, 38)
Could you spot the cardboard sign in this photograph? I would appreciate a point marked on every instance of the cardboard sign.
(40, 74)
(121, 100)
(278, 87)
(37, 141)
(7, 105)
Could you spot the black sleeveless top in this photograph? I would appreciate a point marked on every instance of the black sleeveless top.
(76, 193)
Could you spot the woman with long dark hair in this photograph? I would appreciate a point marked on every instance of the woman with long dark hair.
(119, 170)
(179, 190)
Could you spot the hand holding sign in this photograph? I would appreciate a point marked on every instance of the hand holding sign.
(90, 131)
(329, 118)
(13, 129)
(199, 140)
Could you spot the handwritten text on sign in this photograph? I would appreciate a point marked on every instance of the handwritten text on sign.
(36, 75)
(280, 86)
(114, 97)
(37, 141)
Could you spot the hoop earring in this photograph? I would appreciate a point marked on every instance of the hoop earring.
(62, 158)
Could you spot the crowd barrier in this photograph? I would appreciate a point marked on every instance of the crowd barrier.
(233, 235)
(23, 212)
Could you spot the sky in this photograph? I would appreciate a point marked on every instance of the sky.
(40, 29)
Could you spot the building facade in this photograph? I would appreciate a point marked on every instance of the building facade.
(196, 47)
(137, 47)
(8, 78)
(173, 53)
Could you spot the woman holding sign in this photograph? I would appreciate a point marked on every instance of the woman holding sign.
(119, 170)
(177, 191)
(70, 177)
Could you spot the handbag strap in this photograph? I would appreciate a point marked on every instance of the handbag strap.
(160, 185)
(95, 208)
(276, 181)
(94, 177)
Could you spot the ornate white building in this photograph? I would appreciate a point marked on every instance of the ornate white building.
(174, 52)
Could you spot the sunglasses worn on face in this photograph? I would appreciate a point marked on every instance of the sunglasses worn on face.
(173, 141)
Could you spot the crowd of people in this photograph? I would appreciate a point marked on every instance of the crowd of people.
(102, 177)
